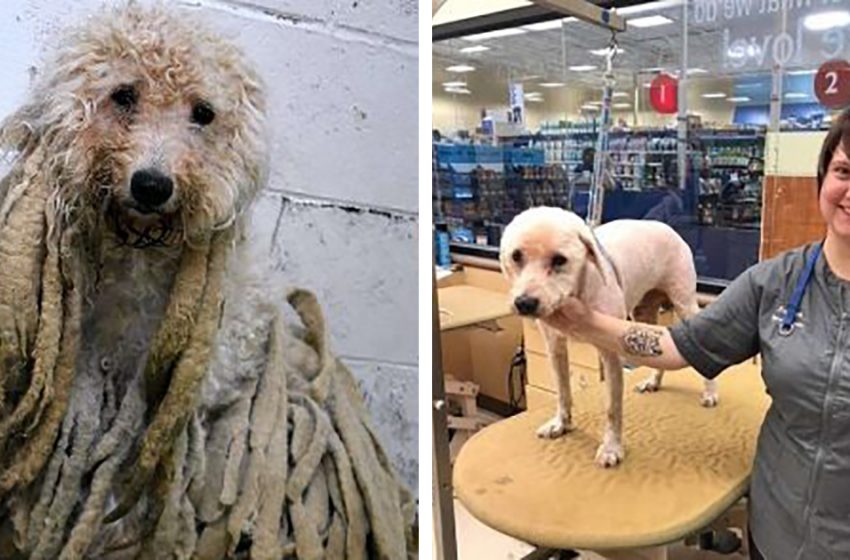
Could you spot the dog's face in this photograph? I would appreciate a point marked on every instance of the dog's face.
(543, 254)
(161, 123)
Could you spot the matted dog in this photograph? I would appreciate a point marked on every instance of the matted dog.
(623, 268)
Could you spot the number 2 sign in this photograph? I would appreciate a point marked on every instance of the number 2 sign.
(832, 84)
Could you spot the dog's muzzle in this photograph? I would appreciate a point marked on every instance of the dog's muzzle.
(150, 189)
(527, 305)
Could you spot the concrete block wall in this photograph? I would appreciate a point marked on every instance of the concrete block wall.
(339, 215)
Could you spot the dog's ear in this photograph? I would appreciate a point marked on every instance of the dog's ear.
(593, 255)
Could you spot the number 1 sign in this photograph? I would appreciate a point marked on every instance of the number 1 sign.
(663, 94)
(832, 84)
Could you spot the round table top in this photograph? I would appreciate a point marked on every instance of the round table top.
(684, 465)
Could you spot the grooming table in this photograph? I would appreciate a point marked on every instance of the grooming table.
(684, 466)
(465, 306)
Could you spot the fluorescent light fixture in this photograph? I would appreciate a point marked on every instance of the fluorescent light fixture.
(552, 84)
(604, 52)
(528, 78)
(654, 69)
(739, 99)
(622, 105)
(826, 20)
(532, 94)
(697, 71)
(460, 90)
(494, 34)
(590, 107)
(454, 84)
(460, 68)
(534, 99)
(649, 21)
(796, 95)
(802, 72)
(714, 95)
(547, 25)
(619, 94)
(582, 68)
(648, 7)
(475, 49)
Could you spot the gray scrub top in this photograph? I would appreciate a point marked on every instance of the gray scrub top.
(800, 487)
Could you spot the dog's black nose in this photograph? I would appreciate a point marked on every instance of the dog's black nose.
(526, 305)
(150, 188)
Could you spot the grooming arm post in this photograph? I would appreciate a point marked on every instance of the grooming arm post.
(586, 11)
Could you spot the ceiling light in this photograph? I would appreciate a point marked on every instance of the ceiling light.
(590, 107)
(460, 90)
(649, 21)
(697, 71)
(460, 68)
(494, 34)
(547, 25)
(827, 20)
(475, 49)
(714, 95)
(619, 94)
(604, 52)
(655, 69)
(534, 99)
(454, 84)
(552, 84)
(532, 94)
(740, 99)
(796, 95)
(582, 68)
(622, 105)
(802, 72)
(649, 6)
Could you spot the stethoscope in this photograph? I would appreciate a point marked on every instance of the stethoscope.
(787, 326)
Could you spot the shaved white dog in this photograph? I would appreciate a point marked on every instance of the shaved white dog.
(623, 268)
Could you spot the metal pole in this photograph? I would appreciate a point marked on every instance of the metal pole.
(444, 517)
(600, 160)
(682, 132)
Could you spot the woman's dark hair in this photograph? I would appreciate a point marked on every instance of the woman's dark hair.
(839, 133)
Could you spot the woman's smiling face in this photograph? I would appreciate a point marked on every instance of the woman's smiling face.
(835, 195)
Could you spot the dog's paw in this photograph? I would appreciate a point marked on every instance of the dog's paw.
(649, 385)
(609, 455)
(554, 428)
(709, 399)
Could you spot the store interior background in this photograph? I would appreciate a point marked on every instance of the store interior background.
(732, 53)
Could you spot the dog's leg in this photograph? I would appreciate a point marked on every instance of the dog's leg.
(610, 452)
(556, 346)
(709, 397)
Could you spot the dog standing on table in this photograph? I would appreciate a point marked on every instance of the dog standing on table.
(628, 268)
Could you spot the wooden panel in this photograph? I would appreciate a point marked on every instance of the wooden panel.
(539, 373)
(456, 358)
(536, 397)
(790, 214)
(491, 354)
(487, 279)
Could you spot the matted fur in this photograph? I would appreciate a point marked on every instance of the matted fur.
(125, 431)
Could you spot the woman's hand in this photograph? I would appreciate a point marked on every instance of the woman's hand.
(570, 317)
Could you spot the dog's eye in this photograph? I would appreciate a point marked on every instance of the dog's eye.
(558, 260)
(202, 113)
(517, 256)
(125, 97)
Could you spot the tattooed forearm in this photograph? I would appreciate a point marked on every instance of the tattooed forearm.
(642, 341)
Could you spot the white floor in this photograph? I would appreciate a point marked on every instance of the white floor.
(476, 541)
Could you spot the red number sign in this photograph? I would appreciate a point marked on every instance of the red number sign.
(664, 94)
(832, 84)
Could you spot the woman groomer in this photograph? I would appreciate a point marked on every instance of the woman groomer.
(795, 311)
